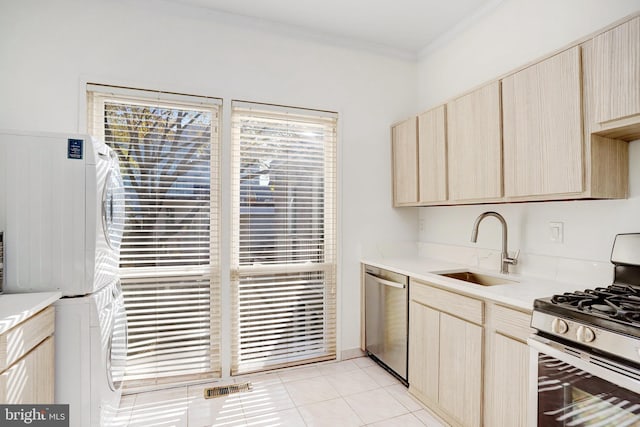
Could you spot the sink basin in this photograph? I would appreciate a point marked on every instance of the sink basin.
(477, 278)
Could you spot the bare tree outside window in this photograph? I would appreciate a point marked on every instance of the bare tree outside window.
(164, 156)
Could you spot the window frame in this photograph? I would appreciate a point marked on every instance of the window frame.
(328, 267)
(97, 94)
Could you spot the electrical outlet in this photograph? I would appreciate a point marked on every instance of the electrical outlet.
(556, 232)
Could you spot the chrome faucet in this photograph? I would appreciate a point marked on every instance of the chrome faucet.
(506, 260)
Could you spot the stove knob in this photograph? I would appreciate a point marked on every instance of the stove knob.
(559, 326)
(585, 334)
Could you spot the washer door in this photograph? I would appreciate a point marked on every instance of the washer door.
(113, 204)
(117, 341)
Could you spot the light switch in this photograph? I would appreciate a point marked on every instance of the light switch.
(556, 232)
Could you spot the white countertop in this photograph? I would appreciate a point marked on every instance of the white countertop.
(519, 295)
(15, 308)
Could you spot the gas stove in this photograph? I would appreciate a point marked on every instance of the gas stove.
(585, 355)
(604, 319)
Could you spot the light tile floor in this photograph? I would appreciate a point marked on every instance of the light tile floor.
(354, 392)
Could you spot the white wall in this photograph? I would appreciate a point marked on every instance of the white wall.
(514, 33)
(48, 49)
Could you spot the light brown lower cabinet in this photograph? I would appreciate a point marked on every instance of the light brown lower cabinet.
(27, 361)
(460, 383)
(26, 381)
(507, 366)
(424, 351)
(445, 353)
(468, 358)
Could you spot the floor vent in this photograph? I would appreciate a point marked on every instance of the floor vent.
(225, 390)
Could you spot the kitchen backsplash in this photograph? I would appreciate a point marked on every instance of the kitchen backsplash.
(586, 273)
(569, 270)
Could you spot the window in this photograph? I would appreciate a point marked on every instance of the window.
(284, 236)
(167, 146)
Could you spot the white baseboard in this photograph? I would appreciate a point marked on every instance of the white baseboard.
(351, 353)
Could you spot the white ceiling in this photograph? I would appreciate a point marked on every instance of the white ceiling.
(404, 26)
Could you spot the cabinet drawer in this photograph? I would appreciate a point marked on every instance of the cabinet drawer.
(511, 322)
(20, 339)
(460, 306)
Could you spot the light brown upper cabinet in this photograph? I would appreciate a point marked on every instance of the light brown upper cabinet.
(606, 158)
(432, 155)
(404, 148)
(616, 81)
(475, 145)
(556, 129)
(542, 125)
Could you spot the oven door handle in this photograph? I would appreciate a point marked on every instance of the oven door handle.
(542, 345)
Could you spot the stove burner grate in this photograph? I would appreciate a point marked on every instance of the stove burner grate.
(617, 301)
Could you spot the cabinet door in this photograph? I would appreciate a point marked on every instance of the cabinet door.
(405, 162)
(507, 367)
(424, 338)
(542, 107)
(474, 145)
(432, 152)
(460, 385)
(31, 379)
(508, 379)
(616, 69)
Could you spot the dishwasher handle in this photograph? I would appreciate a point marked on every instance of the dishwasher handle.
(386, 282)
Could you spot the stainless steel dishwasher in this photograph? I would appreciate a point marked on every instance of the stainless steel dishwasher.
(387, 319)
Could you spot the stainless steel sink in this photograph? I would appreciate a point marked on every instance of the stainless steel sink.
(477, 278)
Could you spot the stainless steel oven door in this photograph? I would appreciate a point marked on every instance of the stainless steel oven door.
(571, 387)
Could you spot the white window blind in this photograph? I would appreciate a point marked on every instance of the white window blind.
(284, 236)
(167, 146)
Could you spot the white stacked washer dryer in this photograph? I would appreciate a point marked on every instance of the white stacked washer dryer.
(62, 213)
